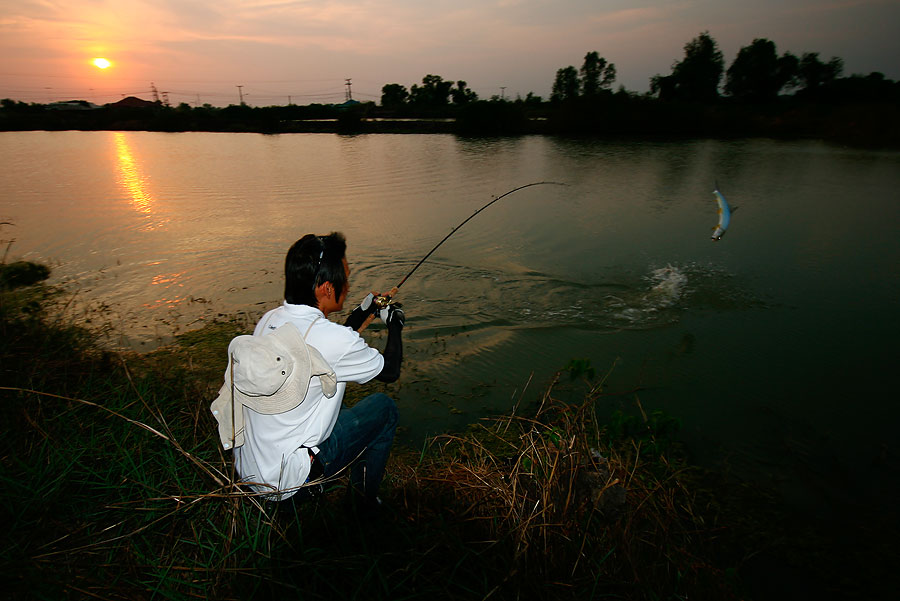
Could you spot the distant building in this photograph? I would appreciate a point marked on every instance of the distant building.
(133, 102)
(72, 105)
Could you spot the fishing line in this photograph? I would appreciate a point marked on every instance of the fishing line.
(385, 300)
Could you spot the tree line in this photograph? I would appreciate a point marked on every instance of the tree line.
(757, 74)
(761, 93)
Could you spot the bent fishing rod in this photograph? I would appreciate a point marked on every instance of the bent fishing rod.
(385, 300)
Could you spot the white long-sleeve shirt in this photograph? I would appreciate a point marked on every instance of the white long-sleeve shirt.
(274, 453)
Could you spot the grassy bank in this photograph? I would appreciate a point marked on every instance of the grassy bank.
(114, 487)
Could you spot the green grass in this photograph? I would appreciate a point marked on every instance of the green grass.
(114, 486)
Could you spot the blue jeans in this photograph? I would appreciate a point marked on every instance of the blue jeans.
(364, 431)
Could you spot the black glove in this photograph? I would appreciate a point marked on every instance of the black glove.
(392, 314)
(361, 313)
(393, 350)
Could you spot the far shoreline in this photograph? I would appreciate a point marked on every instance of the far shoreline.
(860, 124)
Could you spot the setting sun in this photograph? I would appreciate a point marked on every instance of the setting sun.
(101, 63)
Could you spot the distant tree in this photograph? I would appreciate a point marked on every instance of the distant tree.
(434, 92)
(814, 74)
(461, 94)
(698, 74)
(662, 86)
(696, 77)
(609, 76)
(596, 74)
(566, 85)
(757, 72)
(393, 95)
(531, 99)
(788, 71)
(13, 105)
(873, 87)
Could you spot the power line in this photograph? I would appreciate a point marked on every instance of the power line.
(261, 96)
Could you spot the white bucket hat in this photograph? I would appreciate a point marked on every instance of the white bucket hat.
(271, 375)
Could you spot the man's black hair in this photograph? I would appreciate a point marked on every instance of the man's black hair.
(312, 261)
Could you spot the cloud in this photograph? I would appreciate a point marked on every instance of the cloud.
(514, 43)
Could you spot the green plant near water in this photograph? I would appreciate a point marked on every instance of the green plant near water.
(114, 487)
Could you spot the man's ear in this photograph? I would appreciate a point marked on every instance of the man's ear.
(324, 290)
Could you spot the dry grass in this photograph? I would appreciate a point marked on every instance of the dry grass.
(561, 510)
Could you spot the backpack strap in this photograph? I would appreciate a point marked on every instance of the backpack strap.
(310, 327)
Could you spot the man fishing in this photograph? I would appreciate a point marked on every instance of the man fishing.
(287, 427)
(283, 452)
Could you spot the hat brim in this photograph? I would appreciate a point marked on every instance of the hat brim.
(307, 362)
(295, 387)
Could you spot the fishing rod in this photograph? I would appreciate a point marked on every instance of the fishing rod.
(385, 300)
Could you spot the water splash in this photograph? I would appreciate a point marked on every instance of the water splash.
(668, 284)
(656, 303)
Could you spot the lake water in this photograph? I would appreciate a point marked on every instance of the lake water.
(774, 347)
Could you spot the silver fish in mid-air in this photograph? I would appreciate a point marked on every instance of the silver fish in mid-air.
(724, 215)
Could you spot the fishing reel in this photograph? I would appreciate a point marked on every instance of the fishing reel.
(383, 301)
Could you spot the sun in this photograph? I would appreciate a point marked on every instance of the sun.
(101, 63)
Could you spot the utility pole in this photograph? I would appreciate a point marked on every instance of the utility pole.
(241, 94)
(502, 92)
(349, 95)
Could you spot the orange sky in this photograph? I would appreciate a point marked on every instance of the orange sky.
(303, 50)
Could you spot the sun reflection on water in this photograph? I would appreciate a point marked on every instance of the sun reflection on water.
(135, 183)
(171, 295)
